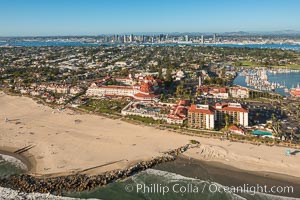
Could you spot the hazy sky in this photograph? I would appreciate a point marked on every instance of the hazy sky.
(93, 17)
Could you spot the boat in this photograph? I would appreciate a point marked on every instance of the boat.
(286, 90)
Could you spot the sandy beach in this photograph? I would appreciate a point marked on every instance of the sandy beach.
(65, 141)
(249, 157)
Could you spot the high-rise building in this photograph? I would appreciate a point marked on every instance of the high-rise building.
(130, 38)
(186, 38)
(214, 39)
(202, 39)
(234, 112)
(124, 38)
(143, 39)
(201, 116)
(209, 117)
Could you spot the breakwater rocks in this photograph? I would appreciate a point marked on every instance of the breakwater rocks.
(81, 182)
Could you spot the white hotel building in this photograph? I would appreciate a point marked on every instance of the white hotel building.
(143, 92)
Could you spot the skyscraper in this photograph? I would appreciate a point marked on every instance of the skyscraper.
(186, 38)
(130, 38)
(202, 39)
(143, 38)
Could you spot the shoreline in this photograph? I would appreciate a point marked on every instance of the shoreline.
(227, 175)
(30, 163)
(26, 158)
(174, 161)
(104, 144)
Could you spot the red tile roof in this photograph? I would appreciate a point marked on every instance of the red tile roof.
(194, 109)
(145, 95)
(146, 87)
(226, 107)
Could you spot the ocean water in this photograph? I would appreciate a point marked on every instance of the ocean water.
(181, 179)
(10, 165)
(189, 179)
(154, 184)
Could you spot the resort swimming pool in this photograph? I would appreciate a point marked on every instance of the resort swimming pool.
(152, 109)
(259, 132)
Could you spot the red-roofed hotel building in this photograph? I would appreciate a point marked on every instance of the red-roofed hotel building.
(201, 116)
(142, 92)
(209, 117)
(236, 113)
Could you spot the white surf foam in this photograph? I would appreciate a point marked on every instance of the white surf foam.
(6, 193)
(14, 161)
(173, 177)
(169, 176)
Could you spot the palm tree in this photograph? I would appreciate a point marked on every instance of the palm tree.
(226, 121)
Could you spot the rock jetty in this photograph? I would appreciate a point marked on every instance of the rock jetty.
(81, 182)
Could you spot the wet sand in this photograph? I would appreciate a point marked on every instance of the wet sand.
(26, 158)
(229, 176)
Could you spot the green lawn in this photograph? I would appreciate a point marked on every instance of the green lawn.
(146, 120)
(105, 106)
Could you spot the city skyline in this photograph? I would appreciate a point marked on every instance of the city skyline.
(58, 18)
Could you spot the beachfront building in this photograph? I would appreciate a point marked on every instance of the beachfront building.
(142, 92)
(178, 112)
(61, 89)
(235, 113)
(111, 90)
(201, 116)
(145, 92)
(239, 92)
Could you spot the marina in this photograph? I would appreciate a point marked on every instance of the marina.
(281, 81)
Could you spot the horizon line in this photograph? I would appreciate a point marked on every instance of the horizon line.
(292, 32)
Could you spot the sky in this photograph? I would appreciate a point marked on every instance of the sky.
(94, 17)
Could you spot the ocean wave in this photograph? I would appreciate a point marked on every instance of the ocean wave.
(14, 161)
(7, 193)
(170, 177)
